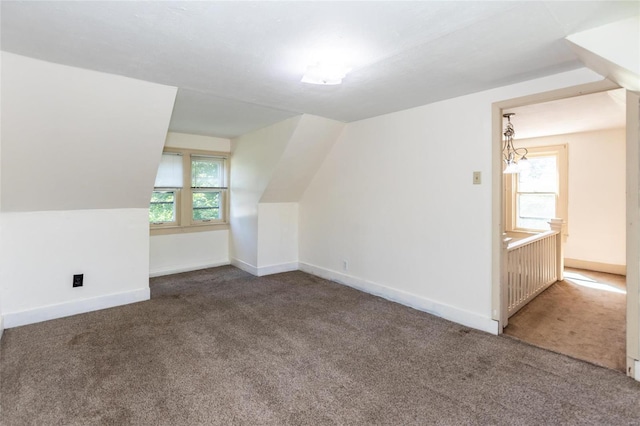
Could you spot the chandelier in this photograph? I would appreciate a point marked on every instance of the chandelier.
(515, 159)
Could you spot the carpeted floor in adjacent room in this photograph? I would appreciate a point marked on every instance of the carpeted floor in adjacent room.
(583, 316)
(220, 346)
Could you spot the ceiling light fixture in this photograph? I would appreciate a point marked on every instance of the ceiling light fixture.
(514, 158)
(325, 74)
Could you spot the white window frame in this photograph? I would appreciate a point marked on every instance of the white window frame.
(562, 196)
(222, 190)
(176, 207)
(170, 178)
(184, 197)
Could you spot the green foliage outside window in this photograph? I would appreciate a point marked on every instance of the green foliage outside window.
(206, 173)
(162, 207)
(208, 185)
(206, 205)
(537, 192)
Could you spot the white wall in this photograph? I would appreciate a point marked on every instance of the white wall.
(395, 199)
(271, 168)
(253, 160)
(189, 141)
(305, 151)
(597, 198)
(41, 251)
(618, 42)
(173, 253)
(81, 137)
(277, 237)
(612, 50)
(1, 282)
(80, 150)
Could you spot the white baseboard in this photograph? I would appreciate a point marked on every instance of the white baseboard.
(45, 313)
(609, 268)
(253, 270)
(1, 326)
(420, 303)
(185, 268)
(276, 269)
(264, 270)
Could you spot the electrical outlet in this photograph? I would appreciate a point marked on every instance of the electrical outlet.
(477, 178)
(77, 280)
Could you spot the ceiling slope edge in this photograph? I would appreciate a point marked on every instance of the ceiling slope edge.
(305, 152)
(612, 51)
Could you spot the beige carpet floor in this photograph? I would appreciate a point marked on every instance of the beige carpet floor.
(221, 347)
(583, 316)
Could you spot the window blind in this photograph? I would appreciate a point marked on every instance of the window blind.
(207, 172)
(170, 171)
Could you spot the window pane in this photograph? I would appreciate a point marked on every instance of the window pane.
(169, 172)
(541, 176)
(206, 205)
(207, 172)
(162, 207)
(535, 210)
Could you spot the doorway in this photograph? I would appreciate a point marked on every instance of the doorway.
(631, 237)
(576, 147)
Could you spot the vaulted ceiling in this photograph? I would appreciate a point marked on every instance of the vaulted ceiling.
(595, 111)
(238, 65)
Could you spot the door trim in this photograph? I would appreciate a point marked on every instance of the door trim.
(499, 313)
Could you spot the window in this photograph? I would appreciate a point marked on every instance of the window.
(163, 207)
(539, 193)
(169, 180)
(190, 191)
(207, 188)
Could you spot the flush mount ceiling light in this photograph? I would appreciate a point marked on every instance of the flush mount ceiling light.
(325, 74)
(514, 158)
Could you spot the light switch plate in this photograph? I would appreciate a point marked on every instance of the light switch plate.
(477, 178)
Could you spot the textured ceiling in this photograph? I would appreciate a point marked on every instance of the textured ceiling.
(238, 64)
(596, 111)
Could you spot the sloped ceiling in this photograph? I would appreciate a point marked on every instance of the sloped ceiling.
(596, 111)
(306, 149)
(238, 64)
(74, 139)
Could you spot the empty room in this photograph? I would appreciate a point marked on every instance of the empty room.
(247, 212)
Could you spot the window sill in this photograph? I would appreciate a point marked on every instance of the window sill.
(176, 229)
(528, 232)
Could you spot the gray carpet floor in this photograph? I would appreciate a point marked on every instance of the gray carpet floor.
(220, 346)
(583, 322)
